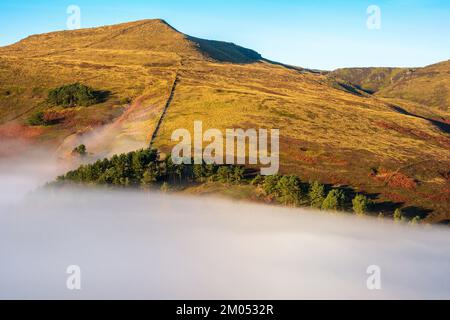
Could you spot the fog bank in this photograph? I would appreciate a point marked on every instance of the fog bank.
(156, 246)
(134, 245)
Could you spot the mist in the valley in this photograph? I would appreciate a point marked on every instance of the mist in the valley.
(132, 244)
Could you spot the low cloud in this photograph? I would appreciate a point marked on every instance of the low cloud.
(157, 246)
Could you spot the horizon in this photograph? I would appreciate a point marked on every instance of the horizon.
(341, 38)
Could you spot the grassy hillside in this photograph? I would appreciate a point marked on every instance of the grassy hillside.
(372, 80)
(429, 86)
(335, 135)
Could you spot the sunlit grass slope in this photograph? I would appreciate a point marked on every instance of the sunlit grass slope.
(328, 133)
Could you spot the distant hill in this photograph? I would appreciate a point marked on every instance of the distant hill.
(394, 143)
(429, 86)
(372, 80)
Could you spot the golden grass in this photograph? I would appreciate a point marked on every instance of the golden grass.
(326, 133)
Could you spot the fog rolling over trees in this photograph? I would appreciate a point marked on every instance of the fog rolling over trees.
(134, 244)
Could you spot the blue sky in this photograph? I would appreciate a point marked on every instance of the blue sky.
(315, 34)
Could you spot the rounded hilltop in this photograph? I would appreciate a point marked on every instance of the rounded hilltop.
(154, 35)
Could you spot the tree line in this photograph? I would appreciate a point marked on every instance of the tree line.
(144, 169)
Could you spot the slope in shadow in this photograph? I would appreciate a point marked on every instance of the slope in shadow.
(444, 127)
(226, 51)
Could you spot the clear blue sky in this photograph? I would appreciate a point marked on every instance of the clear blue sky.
(315, 34)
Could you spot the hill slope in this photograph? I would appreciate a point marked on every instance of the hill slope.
(429, 86)
(159, 77)
(372, 80)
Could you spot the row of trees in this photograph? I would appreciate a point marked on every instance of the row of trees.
(289, 190)
(144, 169)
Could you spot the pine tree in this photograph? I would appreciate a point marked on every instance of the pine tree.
(222, 174)
(238, 174)
(398, 215)
(258, 180)
(149, 177)
(335, 200)
(415, 220)
(289, 190)
(360, 204)
(271, 185)
(316, 194)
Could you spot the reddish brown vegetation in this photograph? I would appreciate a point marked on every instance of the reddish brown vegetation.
(338, 162)
(53, 116)
(305, 159)
(444, 141)
(438, 197)
(16, 138)
(395, 197)
(336, 180)
(18, 131)
(395, 179)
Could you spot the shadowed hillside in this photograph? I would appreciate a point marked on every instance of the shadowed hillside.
(159, 77)
(226, 52)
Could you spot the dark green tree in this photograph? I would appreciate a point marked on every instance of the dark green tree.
(398, 215)
(316, 194)
(271, 185)
(80, 150)
(335, 200)
(258, 180)
(289, 190)
(238, 174)
(37, 119)
(361, 204)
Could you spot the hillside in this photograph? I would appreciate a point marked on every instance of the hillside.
(328, 133)
(372, 80)
(428, 86)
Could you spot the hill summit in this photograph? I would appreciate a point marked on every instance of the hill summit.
(150, 35)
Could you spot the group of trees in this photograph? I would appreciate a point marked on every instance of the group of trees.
(143, 168)
(400, 217)
(289, 190)
(67, 96)
(73, 95)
